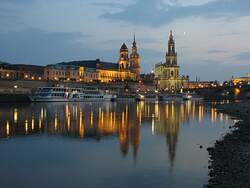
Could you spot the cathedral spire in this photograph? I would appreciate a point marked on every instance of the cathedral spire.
(171, 43)
(135, 60)
(171, 55)
(134, 43)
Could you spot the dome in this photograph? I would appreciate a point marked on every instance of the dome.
(124, 47)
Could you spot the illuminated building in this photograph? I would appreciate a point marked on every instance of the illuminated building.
(167, 74)
(199, 84)
(62, 72)
(21, 72)
(96, 70)
(89, 71)
(241, 80)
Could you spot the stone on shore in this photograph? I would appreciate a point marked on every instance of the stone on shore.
(230, 157)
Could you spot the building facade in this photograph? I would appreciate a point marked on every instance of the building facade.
(61, 72)
(88, 71)
(241, 80)
(126, 69)
(200, 84)
(167, 75)
(21, 72)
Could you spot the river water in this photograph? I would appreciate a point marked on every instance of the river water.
(111, 145)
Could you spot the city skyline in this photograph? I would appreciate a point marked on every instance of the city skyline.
(46, 32)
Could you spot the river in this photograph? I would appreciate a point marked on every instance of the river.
(111, 145)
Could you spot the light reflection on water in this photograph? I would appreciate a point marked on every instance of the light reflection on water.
(162, 138)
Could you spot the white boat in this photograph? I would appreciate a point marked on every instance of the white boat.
(67, 94)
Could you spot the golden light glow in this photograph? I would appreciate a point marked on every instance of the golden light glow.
(102, 118)
(81, 126)
(32, 123)
(68, 121)
(91, 118)
(166, 110)
(200, 113)
(40, 123)
(236, 91)
(15, 116)
(26, 126)
(213, 115)
(56, 122)
(7, 128)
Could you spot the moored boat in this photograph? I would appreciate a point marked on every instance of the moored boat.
(67, 94)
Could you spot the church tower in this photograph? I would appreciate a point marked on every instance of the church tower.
(123, 60)
(171, 58)
(167, 74)
(171, 55)
(135, 60)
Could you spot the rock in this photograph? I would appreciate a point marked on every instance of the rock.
(229, 163)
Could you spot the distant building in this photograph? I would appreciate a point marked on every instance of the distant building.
(167, 74)
(97, 70)
(199, 84)
(241, 80)
(21, 72)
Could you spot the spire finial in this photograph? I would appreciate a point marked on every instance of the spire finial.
(134, 43)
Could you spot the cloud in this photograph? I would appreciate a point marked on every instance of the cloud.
(243, 56)
(214, 70)
(33, 46)
(227, 34)
(217, 51)
(108, 4)
(155, 13)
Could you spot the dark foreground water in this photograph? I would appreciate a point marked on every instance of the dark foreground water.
(113, 145)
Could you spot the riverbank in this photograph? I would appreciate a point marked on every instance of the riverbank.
(230, 157)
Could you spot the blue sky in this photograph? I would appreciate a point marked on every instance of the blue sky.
(212, 36)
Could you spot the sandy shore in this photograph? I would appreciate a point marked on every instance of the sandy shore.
(230, 157)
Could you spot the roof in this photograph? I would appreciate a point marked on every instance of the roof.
(97, 64)
(24, 67)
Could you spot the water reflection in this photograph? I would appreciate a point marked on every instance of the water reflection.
(103, 120)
